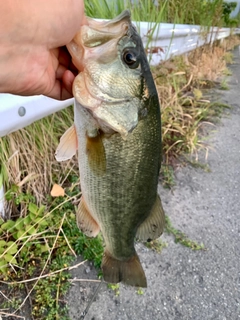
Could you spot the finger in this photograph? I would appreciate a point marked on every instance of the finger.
(60, 72)
(65, 59)
(67, 80)
(65, 63)
(62, 89)
(65, 74)
(59, 92)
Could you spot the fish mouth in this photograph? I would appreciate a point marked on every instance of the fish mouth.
(96, 34)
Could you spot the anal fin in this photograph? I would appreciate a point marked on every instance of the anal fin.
(68, 145)
(128, 271)
(153, 226)
(86, 223)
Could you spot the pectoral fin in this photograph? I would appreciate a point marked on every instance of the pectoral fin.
(68, 145)
(96, 154)
(85, 221)
(153, 226)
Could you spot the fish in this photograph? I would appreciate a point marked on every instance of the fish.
(117, 134)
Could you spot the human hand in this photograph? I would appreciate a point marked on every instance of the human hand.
(33, 56)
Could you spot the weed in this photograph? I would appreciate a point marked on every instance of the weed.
(197, 164)
(38, 245)
(181, 84)
(224, 85)
(115, 287)
(156, 245)
(27, 156)
(140, 291)
(228, 57)
(167, 176)
(205, 13)
(143, 10)
(181, 237)
(48, 295)
(227, 72)
(91, 249)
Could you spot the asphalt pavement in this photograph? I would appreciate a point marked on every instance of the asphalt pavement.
(184, 284)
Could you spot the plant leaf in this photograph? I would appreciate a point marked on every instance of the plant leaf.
(57, 191)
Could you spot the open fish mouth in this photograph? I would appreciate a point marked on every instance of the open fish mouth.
(95, 35)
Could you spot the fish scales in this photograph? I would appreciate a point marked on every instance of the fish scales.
(117, 129)
(127, 187)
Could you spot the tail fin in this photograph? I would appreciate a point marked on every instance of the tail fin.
(129, 271)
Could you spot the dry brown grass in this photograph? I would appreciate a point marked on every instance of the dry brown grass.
(180, 83)
(27, 156)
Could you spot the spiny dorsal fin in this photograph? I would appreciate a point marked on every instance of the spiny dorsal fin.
(96, 154)
(129, 271)
(152, 227)
(68, 145)
(85, 221)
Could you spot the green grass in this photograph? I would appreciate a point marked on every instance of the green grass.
(144, 10)
(156, 245)
(204, 13)
(41, 246)
(181, 237)
(224, 84)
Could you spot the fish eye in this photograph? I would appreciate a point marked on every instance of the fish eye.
(130, 58)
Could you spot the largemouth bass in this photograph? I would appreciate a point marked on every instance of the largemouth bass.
(117, 131)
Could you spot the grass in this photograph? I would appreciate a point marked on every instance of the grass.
(204, 13)
(181, 237)
(156, 245)
(27, 156)
(39, 237)
(186, 108)
(142, 10)
(224, 84)
(36, 253)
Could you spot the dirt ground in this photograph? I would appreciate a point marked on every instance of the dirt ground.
(185, 284)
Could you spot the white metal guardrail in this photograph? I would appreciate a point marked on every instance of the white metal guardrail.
(178, 39)
(165, 39)
(17, 112)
